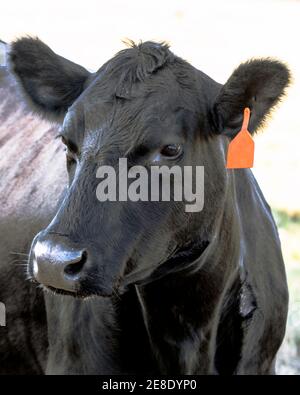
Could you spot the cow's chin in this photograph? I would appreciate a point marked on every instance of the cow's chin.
(80, 294)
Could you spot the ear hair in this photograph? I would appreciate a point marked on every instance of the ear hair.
(258, 84)
(49, 82)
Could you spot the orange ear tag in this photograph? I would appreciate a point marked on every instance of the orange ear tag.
(240, 153)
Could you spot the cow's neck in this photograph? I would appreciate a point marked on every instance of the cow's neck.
(182, 310)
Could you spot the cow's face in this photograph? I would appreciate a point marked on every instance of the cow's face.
(152, 109)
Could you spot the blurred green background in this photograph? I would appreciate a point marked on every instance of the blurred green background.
(214, 36)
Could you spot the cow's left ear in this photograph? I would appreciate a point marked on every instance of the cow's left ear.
(258, 84)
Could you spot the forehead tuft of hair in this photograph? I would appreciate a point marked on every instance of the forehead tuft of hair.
(136, 63)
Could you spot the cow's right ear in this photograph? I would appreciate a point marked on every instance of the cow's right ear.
(50, 82)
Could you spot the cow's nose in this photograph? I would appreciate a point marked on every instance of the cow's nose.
(57, 263)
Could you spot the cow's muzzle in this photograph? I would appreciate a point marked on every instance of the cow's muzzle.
(61, 265)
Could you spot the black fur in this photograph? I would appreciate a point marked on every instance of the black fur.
(161, 290)
(49, 81)
(258, 84)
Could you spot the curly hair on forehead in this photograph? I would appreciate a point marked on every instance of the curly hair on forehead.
(136, 63)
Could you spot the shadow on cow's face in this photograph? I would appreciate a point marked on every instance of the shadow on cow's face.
(152, 108)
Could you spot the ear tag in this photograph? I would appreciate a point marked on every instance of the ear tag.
(240, 154)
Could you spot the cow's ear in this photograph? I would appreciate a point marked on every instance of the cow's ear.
(50, 82)
(258, 84)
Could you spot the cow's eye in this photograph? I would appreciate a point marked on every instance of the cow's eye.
(171, 151)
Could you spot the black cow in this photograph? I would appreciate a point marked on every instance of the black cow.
(146, 287)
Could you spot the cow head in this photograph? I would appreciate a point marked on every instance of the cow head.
(153, 108)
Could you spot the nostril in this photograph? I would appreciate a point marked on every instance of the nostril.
(75, 267)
